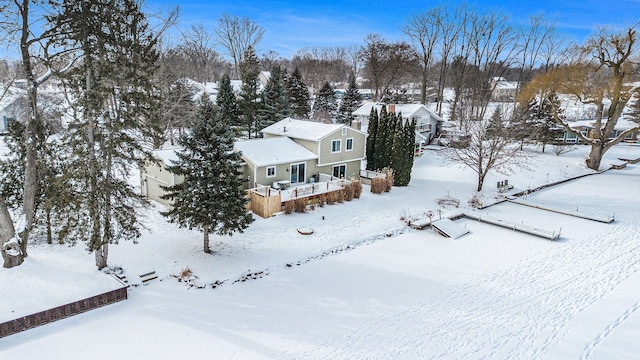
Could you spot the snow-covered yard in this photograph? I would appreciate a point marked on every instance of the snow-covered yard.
(364, 285)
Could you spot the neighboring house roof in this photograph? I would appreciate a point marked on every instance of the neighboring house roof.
(302, 129)
(621, 124)
(168, 156)
(273, 151)
(407, 110)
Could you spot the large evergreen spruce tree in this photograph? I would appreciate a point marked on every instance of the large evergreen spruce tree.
(298, 94)
(249, 96)
(545, 115)
(228, 103)
(324, 108)
(350, 102)
(274, 105)
(210, 198)
(115, 101)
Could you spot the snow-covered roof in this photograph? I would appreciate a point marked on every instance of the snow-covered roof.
(621, 125)
(302, 129)
(273, 151)
(168, 155)
(407, 110)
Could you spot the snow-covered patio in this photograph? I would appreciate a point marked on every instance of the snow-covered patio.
(364, 284)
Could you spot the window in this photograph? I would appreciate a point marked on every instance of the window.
(349, 145)
(344, 131)
(339, 171)
(336, 146)
(298, 173)
(271, 171)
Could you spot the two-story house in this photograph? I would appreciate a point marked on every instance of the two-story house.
(339, 148)
(292, 152)
(427, 122)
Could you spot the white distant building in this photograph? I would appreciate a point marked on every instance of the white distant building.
(503, 90)
(427, 122)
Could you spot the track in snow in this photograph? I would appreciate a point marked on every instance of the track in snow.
(515, 313)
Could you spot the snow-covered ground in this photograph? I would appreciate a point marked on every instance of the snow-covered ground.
(364, 285)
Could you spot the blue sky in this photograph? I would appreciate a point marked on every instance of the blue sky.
(291, 25)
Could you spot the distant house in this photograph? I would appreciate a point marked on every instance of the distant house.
(585, 126)
(427, 122)
(264, 77)
(153, 176)
(503, 90)
(340, 149)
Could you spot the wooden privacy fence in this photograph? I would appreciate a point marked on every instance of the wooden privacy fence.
(264, 201)
(48, 316)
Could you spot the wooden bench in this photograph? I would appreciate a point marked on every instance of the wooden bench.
(148, 276)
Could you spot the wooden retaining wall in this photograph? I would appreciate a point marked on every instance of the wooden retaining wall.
(48, 316)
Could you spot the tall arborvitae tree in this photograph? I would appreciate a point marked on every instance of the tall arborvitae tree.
(350, 102)
(274, 105)
(249, 95)
(384, 139)
(372, 131)
(324, 108)
(115, 101)
(228, 103)
(298, 94)
(404, 152)
(210, 198)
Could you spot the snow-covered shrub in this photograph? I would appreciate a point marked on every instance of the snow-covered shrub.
(475, 201)
(560, 149)
(185, 274)
(322, 199)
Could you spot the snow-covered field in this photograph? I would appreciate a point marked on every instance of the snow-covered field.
(364, 285)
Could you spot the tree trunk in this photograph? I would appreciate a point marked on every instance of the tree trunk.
(11, 253)
(480, 181)
(595, 156)
(49, 234)
(206, 240)
(101, 256)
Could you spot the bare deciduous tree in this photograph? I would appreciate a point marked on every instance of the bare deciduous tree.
(386, 63)
(486, 151)
(424, 32)
(237, 35)
(202, 59)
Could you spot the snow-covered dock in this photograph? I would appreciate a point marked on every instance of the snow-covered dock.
(551, 235)
(576, 213)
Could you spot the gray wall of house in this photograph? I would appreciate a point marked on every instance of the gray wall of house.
(154, 176)
(326, 156)
(352, 169)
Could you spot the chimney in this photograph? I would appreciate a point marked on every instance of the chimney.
(284, 129)
(391, 108)
(356, 124)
